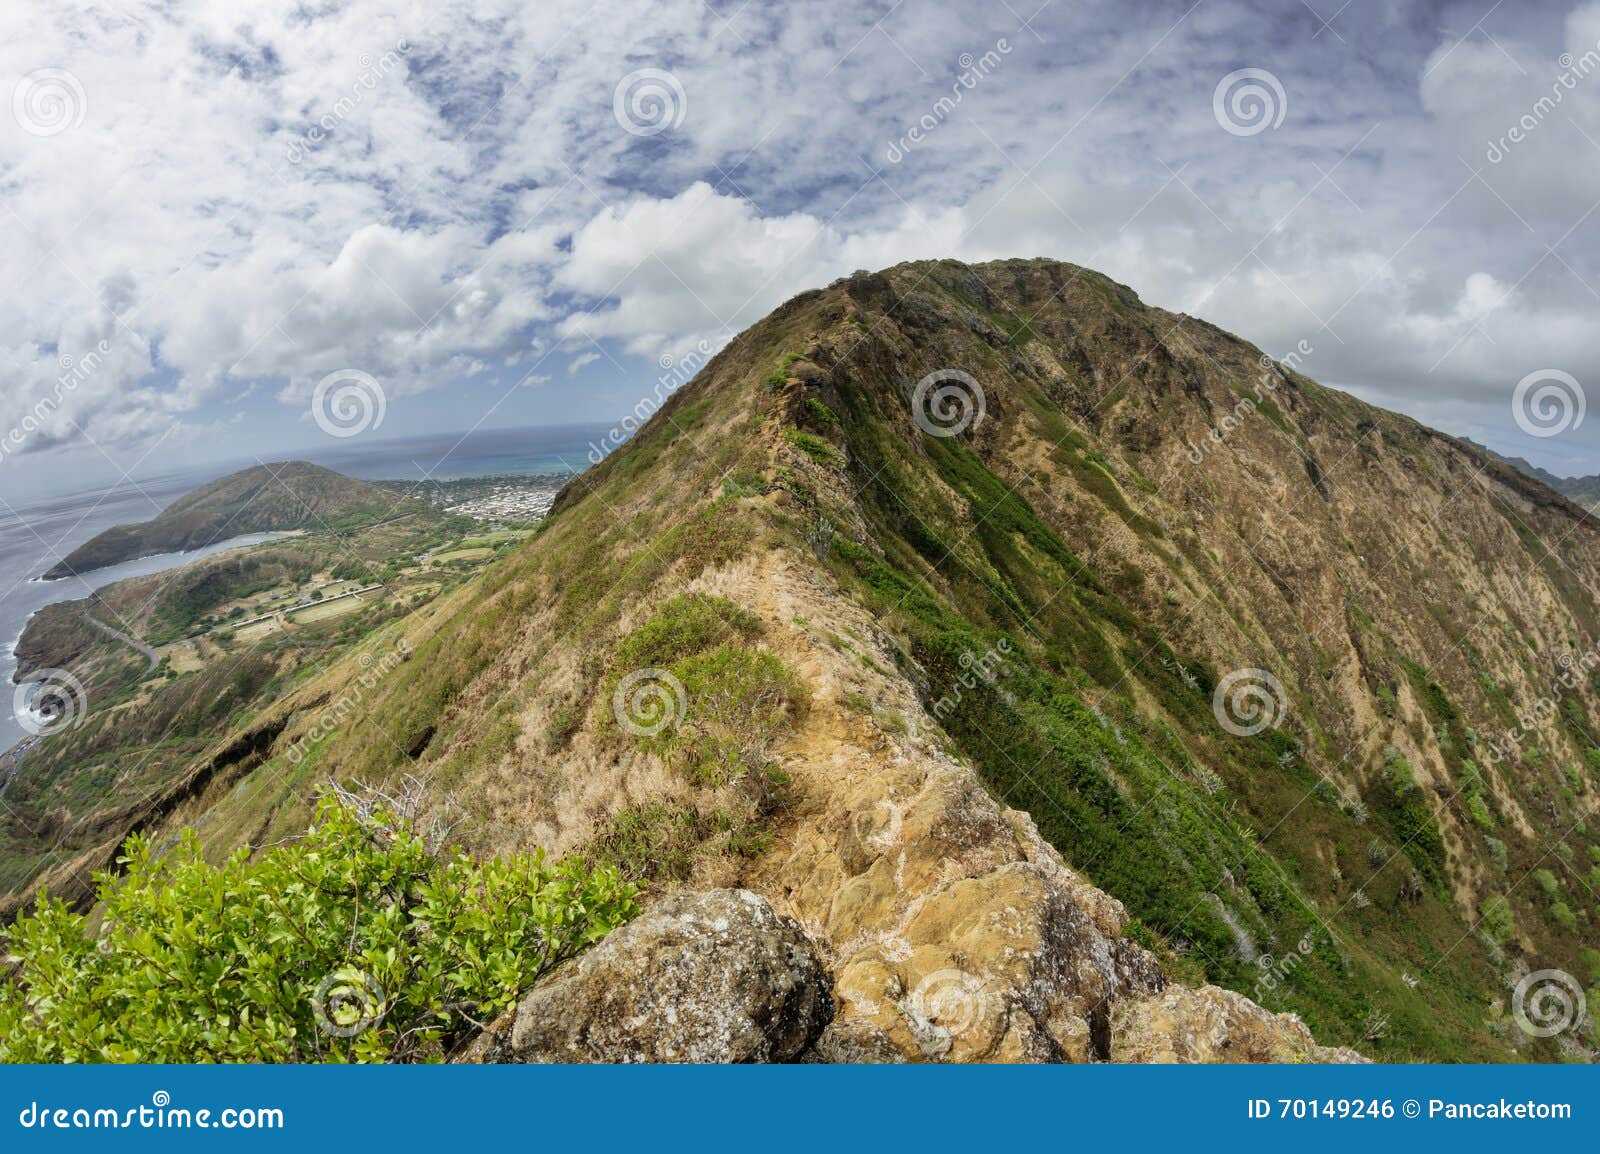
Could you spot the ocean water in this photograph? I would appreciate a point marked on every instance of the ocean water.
(33, 536)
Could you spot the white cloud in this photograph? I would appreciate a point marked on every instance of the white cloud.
(258, 194)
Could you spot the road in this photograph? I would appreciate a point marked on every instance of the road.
(150, 654)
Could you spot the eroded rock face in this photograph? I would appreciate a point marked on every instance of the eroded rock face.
(1212, 1025)
(702, 977)
(954, 931)
(957, 934)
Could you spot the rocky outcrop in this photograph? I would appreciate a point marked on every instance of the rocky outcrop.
(709, 977)
(955, 932)
(1212, 1025)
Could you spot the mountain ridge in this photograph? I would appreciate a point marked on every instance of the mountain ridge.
(951, 692)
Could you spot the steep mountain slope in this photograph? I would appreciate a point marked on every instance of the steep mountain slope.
(260, 499)
(1132, 611)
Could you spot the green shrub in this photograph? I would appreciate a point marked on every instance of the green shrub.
(687, 624)
(653, 842)
(820, 413)
(739, 702)
(1495, 919)
(746, 483)
(1547, 882)
(357, 942)
(814, 447)
(1563, 916)
(779, 376)
(1402, 779)
(1497, 851)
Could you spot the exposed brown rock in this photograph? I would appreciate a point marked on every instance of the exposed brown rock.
(709, 977)
(1212, 1025)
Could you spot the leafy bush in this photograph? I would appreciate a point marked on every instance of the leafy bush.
(820, 413)
(1562, 915)
(814, 447)
(1495, 919)
(1497, 851)
(688, 623)
(358, 942)
(653, 842)
(741, 701)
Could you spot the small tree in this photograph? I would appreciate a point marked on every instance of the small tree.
(361, 941)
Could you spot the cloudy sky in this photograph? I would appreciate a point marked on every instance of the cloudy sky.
(207, 206)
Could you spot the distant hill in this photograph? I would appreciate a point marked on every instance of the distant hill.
(265, 498)
(1583, 491)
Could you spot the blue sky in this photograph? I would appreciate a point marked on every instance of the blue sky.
(512, 217)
